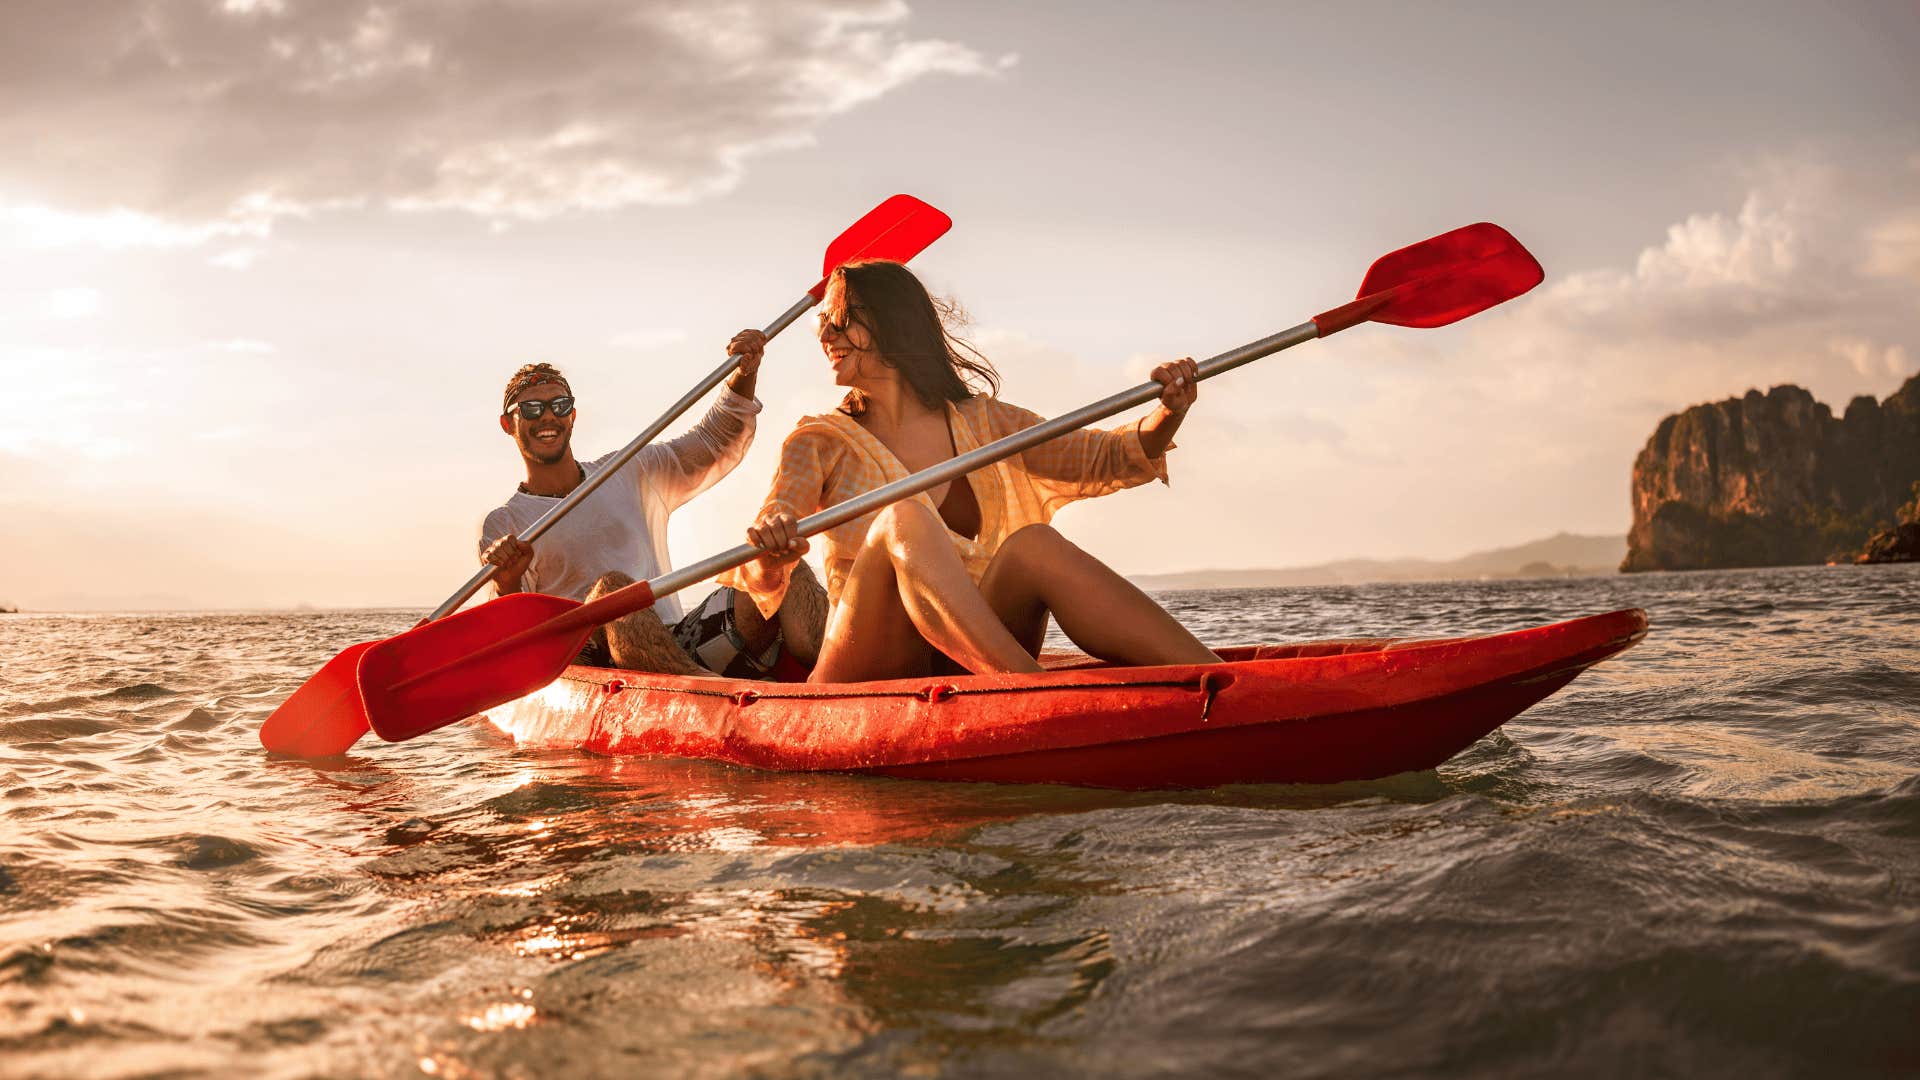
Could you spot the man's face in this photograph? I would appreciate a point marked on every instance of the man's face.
(546, 438)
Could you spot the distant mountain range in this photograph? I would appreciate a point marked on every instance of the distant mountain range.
(141, 602)
(1561, 555)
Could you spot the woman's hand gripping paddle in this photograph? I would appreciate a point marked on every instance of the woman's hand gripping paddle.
(324, 716)
(436, 674)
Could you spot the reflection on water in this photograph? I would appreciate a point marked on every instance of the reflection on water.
(1657, 870)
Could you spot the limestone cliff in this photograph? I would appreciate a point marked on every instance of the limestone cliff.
(1772, 479)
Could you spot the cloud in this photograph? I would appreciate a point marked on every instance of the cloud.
(1807, 281)
(119, 228)
(1871, 359)
(1813, 243)
(134, 118)
(1894, 246)
(1756, 247)
(236, 258)
(1716, 273)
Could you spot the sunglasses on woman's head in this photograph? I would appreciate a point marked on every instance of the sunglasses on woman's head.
(534, 409)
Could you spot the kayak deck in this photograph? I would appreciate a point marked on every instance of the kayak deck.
(1318, 712)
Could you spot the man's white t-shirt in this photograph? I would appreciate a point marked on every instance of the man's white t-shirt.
(623, 524)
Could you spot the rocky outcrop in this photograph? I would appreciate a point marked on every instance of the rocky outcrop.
(1772, 479)
(1900, 543)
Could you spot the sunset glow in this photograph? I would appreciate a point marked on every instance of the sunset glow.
(262, 334)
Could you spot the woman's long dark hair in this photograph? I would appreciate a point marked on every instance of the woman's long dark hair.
(911, 333)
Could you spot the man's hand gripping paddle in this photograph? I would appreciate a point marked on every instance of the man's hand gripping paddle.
(324, 716)
(436, 674)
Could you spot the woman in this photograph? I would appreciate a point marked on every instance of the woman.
(965, 574)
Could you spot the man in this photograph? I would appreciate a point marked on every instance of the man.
(618, 534)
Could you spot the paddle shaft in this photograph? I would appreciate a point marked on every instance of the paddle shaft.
(552, 517)
(643, 593)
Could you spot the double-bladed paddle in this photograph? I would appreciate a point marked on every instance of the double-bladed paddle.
(324, 716)
(436, 674)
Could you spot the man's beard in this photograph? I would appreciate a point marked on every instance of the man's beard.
(539, 452)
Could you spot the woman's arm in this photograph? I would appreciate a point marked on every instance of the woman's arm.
(1179, 388)
(796, 491)
(1110, 458)
(1091, 462)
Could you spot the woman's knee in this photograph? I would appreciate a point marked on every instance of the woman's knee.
(899, 525)
(1034, 542)
(1034, 554)
(1027, 535)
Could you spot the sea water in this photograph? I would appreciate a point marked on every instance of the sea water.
(1701, 858)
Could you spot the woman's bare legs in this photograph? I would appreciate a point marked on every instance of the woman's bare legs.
(1038, 571)
(907, 594)
(869, 635)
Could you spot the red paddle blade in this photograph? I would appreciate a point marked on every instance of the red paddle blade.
(896, 230)
(323, 717)
(1440, 281)
(430, 677)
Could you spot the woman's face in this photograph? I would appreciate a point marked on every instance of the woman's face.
(845, 338)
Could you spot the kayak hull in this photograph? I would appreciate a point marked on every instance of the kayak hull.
(1321, 712)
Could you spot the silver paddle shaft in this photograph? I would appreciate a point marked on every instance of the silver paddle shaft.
(960, 465)
(587, 487)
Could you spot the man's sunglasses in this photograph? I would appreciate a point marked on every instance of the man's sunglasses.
(535, 409)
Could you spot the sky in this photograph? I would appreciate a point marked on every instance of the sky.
(266, 264)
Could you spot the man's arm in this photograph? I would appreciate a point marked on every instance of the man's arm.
(751, 345)
(512, 555)
(499, 546)
(683, 467)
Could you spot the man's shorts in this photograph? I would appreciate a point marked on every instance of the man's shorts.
(708, 634)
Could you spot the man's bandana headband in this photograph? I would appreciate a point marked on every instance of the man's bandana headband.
(540, 373)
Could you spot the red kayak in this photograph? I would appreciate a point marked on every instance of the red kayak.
(1320, 712)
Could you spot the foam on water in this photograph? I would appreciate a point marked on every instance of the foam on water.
(1702, 857)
